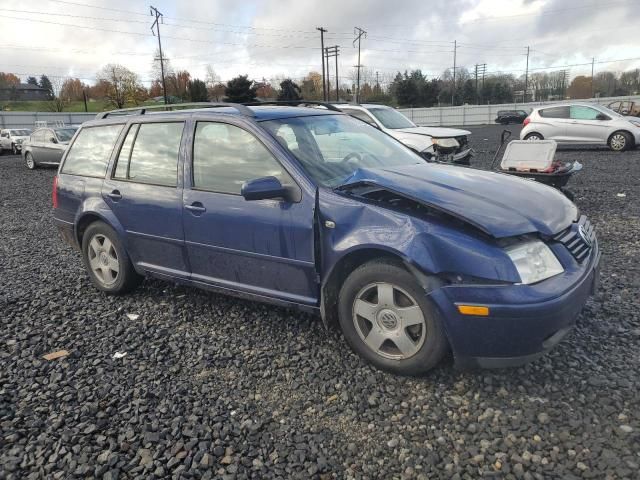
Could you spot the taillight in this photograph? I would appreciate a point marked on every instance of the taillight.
(526, 121)
(54, 192)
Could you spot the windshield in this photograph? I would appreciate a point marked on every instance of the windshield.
(391, 118)
(20, 133)
(332, 147)
(65, 134)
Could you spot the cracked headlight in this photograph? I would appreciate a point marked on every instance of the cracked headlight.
(534, 261)
(445, 142)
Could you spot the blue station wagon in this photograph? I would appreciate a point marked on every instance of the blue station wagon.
(310, 208)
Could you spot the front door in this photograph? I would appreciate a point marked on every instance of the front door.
(263, 247)
(145, 193)
(586, 127)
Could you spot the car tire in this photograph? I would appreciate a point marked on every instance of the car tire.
(106, 260)
(620, 141)
(30, 162)
(533, 136)
(387, 319)
(14, 150)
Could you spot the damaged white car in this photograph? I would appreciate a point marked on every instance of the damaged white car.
(432, 143)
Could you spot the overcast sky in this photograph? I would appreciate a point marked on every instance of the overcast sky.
(269, 38)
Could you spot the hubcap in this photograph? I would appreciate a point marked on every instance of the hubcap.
(533, 138)
(103, 260)
(618, 141)
(389, 321)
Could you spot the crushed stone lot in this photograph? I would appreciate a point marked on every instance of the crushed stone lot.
(215, 387)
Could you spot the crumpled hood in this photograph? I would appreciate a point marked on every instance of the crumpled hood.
(499, 204)
(436, 132)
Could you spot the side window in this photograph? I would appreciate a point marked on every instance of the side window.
(555, 112)
(89, 154)
(362, 116)
(150, 154)
(583, 113)
(226, 156)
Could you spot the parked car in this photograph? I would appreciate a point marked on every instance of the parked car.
(312, 209)
(46, 146)
(506, 117)
(12, 138)
(625, 107)
(444, 144)
(582, 124)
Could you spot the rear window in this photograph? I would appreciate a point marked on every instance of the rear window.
(150, 154)
(89, 154)
(555, 112)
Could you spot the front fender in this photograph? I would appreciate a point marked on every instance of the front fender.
(433, 246)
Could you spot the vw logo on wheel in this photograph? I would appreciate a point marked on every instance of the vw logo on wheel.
(583, 235)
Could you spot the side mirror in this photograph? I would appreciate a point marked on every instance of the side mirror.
(264, 188)
(602, 116)
(53, 140)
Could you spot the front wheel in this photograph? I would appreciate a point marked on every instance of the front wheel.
(106, 260)
(386, 319)
(620, 141)
(30, 162)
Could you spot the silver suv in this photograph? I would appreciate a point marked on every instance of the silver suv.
(581, 123)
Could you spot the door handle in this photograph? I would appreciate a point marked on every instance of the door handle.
(114, 195)
(196, 207)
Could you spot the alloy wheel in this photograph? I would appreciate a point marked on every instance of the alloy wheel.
(103, 260)
(389, 321)
(29, 160)
(618, 142)
(533, 138)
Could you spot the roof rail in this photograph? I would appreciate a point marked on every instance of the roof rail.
(175, 106)
(295, 103)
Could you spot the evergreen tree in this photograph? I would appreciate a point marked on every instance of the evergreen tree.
(197, 90)
(240, 90)
(289, 90)
(46, 84)
(32, 81)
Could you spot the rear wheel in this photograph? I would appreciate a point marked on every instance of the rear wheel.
(620, 141)
(106, 260)
(387, 319)
(30, 162)
(533, 137)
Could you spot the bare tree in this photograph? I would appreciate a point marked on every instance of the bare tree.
(122, 85)
(58, 102)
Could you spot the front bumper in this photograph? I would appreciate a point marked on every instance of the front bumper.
(525, 321)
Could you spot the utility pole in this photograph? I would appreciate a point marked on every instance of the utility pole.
(453, 87)
(526, 78)
(324, 85)
(359, 32)
(84, 96)
(481, 68)
(593, 61)
(333, 52)
(378, 84)
(158, 15)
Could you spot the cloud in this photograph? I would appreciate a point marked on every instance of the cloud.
(269, 38)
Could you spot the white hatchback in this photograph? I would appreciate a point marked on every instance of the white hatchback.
(582, 124)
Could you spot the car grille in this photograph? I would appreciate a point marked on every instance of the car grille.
(579, 238)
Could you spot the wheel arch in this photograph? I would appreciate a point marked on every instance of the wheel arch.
(627, 132)
(87, 217)
(353, 259)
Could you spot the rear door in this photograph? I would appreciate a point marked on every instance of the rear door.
(264, 247)
(586, 127)
(554, 121)
(144, 191)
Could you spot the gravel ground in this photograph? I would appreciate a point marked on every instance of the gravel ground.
(217, 387)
